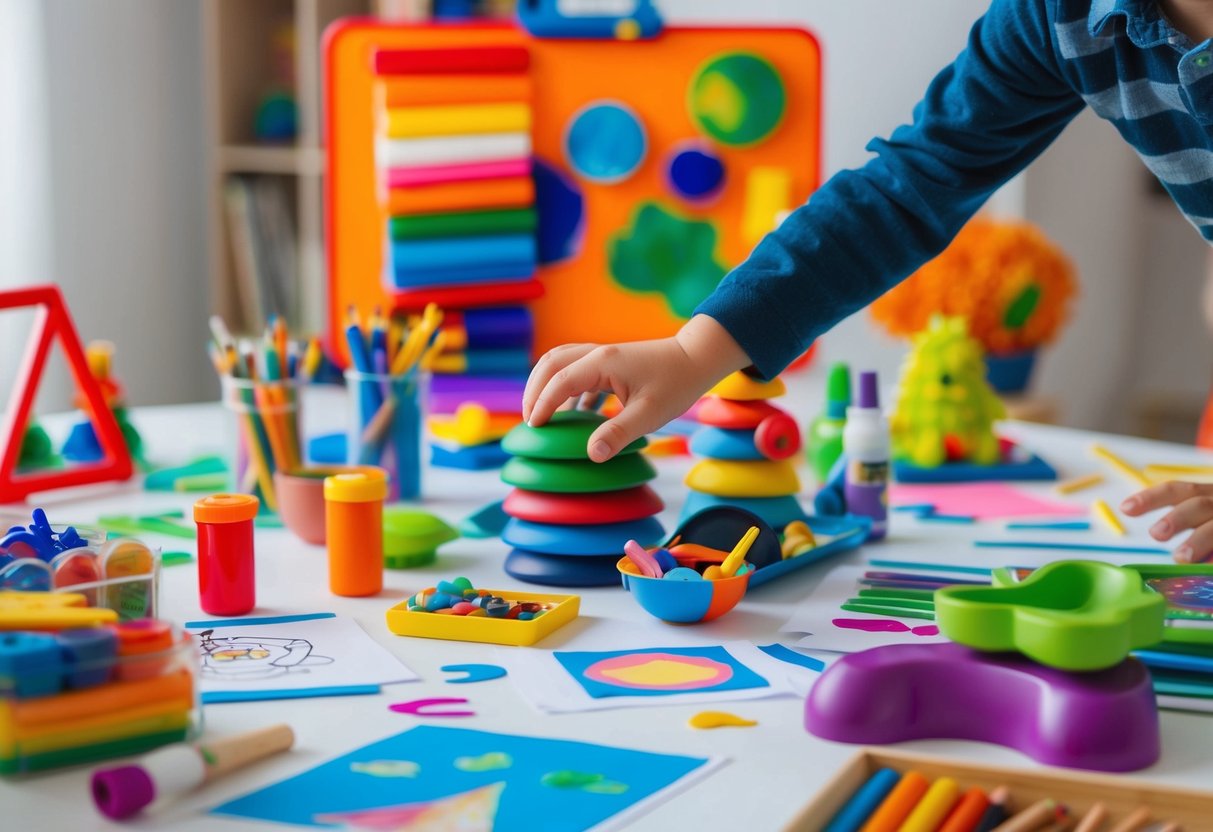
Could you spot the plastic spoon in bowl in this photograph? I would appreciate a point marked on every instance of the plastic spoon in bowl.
(735, 558)
(638, 555)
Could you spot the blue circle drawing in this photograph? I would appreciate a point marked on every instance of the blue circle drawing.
(605, 142)
(696, 173)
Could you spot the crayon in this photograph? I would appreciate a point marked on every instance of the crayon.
(934, 806)
(897, 806)
(967, 813)
(856, 811)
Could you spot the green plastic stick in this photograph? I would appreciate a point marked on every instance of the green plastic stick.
(514, 221)
(878, 610)
(900, 603)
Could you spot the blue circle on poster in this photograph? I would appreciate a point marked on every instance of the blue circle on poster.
(605, 142)
(696, 173)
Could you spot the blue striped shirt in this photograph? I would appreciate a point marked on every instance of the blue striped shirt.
(1029, 67)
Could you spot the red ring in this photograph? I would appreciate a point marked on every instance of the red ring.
(777, 436)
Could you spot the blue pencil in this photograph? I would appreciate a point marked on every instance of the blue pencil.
(936, 567)
(1066, 526)
(1070, 547)
(931, 517)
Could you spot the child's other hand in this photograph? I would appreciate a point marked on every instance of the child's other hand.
(1193, 504)
(655, 380)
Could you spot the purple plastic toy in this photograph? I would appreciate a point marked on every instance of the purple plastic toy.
(1106, 721)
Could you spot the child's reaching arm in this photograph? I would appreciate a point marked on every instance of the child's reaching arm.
(1193, 509)
(983, 119)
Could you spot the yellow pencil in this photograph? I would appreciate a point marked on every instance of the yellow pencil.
(1078, 483)
(1105, 513)
(1121, 466)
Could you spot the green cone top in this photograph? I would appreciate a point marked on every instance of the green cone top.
(563, 437)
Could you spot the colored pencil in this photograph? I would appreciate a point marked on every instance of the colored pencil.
(967, 813)
(1032, 818)
(875, 609)
(997, 811)
(1093, 819)
(1070, 547)
(1063, 526)
(895, 808)
(1136, 820)
(929, 567)
(852, 816)
(934, 807)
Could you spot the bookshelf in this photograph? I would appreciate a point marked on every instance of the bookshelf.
(244, 60)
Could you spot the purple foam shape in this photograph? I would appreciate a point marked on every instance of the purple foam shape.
(1106, 721)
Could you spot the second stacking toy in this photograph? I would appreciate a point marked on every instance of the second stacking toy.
(748, 446)
(570, 517)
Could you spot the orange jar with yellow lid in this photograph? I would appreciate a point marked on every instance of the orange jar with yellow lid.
(353, 518)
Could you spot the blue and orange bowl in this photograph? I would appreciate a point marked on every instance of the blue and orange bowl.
(684, 602)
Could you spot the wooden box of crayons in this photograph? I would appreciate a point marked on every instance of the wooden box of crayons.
(1079, 791)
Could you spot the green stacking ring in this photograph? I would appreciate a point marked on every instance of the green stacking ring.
(563, 437)
(578, 476)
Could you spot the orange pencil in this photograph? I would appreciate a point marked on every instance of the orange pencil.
(967, 813)
(898, 805)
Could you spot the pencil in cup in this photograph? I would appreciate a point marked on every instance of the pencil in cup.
(266, 419)
(387, 430)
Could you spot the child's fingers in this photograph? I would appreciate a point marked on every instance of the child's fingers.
(1159, 496)
(1198, 546)
(635, 420)
(552, 362)
(1187, 515)
(581, 376)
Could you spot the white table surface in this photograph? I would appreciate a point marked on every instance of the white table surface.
(773, 769)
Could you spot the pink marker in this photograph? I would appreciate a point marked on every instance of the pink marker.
(645, 562)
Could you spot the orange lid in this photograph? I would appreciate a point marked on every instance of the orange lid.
(145, 635)
(226, 508)
(362, 486)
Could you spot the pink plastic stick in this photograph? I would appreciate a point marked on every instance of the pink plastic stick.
(464, 172)
(645, 562)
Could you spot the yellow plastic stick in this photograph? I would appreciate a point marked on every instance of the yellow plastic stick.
(1104, 512)
(1078, 483)
(736, 557)
(1121, 466)
(414, 122)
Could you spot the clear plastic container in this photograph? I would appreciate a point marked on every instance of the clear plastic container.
(385, 427)
(90, 694)
(264, 435)
(122, 574)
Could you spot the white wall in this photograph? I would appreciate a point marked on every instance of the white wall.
(128, 199)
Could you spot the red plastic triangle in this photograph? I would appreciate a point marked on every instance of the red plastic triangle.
(51, 321)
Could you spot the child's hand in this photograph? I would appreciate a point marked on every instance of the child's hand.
(655, 380)
(1193, 504)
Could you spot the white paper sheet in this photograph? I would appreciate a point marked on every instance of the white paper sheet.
(548, 686)
(282, 656)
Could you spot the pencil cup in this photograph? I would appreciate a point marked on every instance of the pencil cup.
(265, 434)
(386, 415)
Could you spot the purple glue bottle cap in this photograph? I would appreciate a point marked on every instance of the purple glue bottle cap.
(869, 395)
(123, 791)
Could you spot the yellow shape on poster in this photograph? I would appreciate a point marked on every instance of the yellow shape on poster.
(660, 673)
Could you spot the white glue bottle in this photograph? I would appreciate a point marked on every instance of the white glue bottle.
(865, 443)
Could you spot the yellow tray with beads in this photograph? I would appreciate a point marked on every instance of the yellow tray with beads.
(405, 622)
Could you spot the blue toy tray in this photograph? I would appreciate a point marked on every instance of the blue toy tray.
(848, 532)
(1026, 467)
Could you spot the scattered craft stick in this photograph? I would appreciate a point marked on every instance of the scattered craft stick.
(1105, 513)
(719, 719)
(1077, 484)
(1121, 466)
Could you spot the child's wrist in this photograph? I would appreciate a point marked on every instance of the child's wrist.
(710, 348)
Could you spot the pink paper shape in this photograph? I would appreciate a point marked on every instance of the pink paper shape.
(982, 500)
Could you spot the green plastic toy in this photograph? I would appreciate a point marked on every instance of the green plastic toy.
(824, 445)
(1072, 615)
(945, 409)
(578, 476)
(563, 437)
(411, 538)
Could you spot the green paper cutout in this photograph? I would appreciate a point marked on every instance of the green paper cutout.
(667, 254)
(387, 768)
(492, 761)
(585, 781)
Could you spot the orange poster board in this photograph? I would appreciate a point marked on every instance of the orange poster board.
(581, 302)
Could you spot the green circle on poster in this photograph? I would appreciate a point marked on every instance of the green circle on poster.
(737, 98)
